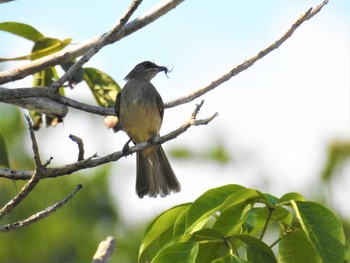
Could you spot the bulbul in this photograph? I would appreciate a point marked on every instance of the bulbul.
(140, 110)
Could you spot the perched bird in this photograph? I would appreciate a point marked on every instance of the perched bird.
(140, 111)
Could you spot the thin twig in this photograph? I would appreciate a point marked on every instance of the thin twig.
(80, 146)
(247, 63)
(80, 49)
(40, 215)
(105, 250)
(7, 95)
(94, 161)
(26, 189)
(35, 147)
(105, 40)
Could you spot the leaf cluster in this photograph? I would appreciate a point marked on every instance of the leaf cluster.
(230, 224)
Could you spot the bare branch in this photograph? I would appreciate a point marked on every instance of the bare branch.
(26, 189)
(40, 215)
(80, 143)
(38, 166)
(93, 161)
(78, 50)
(105, 250)
(105, 40)
(247, 63)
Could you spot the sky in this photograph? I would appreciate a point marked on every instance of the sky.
(276, 118)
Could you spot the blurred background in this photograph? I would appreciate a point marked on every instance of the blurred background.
(283, 124)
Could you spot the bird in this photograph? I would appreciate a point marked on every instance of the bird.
(140, 110)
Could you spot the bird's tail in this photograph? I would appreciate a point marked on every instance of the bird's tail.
(154, 174)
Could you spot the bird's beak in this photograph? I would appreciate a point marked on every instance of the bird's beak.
(165, 69)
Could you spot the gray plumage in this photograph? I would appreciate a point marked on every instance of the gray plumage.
(140, 110)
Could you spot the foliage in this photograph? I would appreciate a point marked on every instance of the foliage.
(102, 86)
(229, 224)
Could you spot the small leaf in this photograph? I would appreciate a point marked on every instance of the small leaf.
(102, 86)
(22, 30)
(294, 247)
(185, 252)
(4, 160)
(323, 230)
(47, 46)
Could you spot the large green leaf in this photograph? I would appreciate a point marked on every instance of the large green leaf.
(230, 221)
(22, 30)
(216, 200)
(212, 245)
(159, 232)
(257, 251)
(102, 86)
(323, 230)
(296, 248)
(4, 160)
(185, 252)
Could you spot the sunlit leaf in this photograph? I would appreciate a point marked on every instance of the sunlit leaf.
(230, 221)
(160, 229)
(178, 253)
(217, 199)
(47, 46)
(102, 86)
(22, 30)
(295, 248)
(291, 196)
(323, 230)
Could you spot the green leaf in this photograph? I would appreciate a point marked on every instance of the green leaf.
(323, 230)
(102, 86)
(215, 200)
(257, 251)
(207, 235)
(4, 160)
(178, 253)
(22, 30)
(231, 219)
(282, 215)
(159, 232)
(295, 247)
(230, 259)
(291, 196)
(46, 46)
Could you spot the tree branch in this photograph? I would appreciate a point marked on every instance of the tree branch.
(40, 215)
(105, 40)
(80, 49)
(94, 161)
(247, 63)
(11, 95)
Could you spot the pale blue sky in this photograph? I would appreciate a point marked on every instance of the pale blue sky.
(276, 118)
